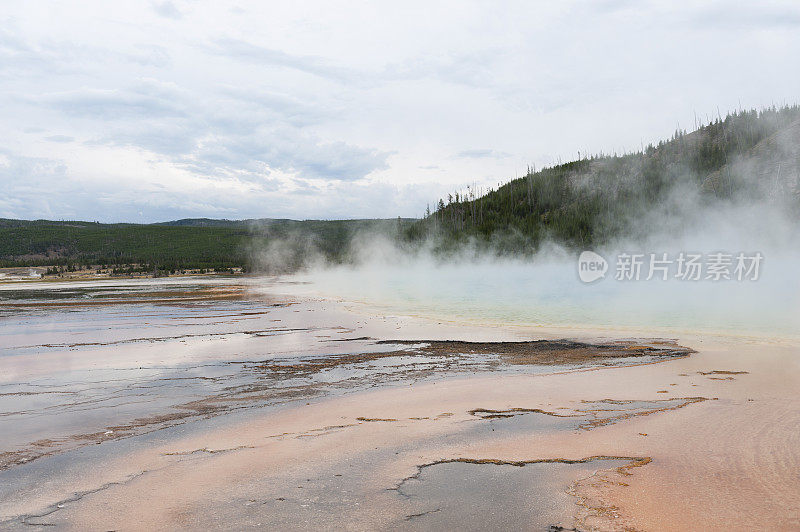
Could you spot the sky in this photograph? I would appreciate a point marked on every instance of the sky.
(150, 111)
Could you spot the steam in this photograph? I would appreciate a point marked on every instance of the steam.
(483, 282)
(276, 254)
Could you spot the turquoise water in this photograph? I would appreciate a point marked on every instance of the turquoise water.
(550, 294)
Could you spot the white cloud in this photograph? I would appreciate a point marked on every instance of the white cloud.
(336, 109)
(167, 9)
(483, 153)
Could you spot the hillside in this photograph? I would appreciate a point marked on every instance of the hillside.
(169, 246)
(752, 154)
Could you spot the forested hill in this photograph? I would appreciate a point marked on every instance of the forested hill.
(752, 154)
(183, 244)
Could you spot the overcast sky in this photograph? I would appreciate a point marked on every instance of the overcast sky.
(152, 111)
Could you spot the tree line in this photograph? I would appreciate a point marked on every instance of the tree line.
(596, 198)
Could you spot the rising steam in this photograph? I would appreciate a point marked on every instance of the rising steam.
(750, 205)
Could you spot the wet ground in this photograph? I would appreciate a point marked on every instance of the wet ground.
(347, 489)
(92, 362)
(496, 496)
(96, 370)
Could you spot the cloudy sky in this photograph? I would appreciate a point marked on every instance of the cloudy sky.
(151, 111)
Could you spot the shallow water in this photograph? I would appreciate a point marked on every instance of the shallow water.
(88, 362)
(138, 363)
(550, 294)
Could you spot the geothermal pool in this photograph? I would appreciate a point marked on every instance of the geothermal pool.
(513, 292)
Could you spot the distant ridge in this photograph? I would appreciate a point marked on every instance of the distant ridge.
(203, 222)
(190, 243)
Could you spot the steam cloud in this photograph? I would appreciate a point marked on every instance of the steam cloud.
(482, 281)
